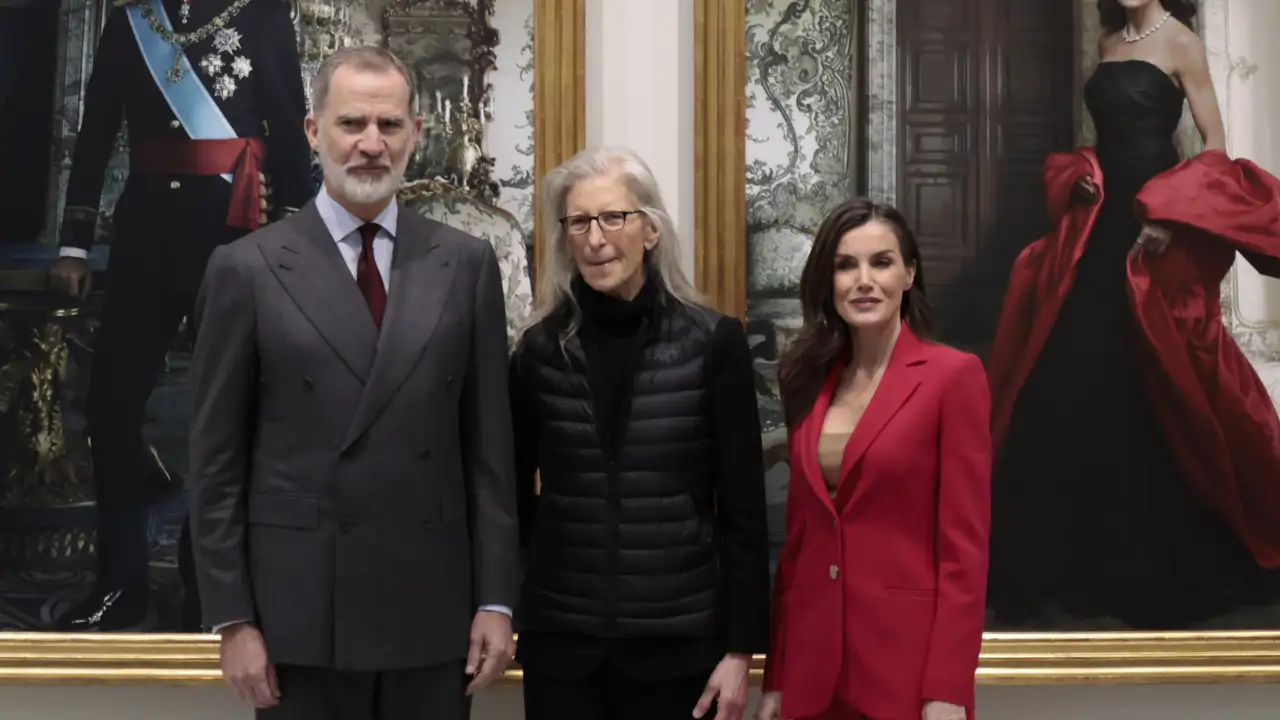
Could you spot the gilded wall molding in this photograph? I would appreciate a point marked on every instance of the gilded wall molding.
(720, 154)
(1007, 659)
(560, 95)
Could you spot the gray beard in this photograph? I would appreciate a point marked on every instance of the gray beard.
(364, 191)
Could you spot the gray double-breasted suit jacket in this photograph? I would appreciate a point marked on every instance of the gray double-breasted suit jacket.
(352, 490)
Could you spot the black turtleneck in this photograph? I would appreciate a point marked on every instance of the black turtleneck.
(613, 334)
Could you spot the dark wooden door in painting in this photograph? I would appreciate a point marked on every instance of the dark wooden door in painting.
(985, 93)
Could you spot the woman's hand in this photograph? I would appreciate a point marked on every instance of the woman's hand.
(1084, 191)
(728, 687)
(938, 710)
(770, 706)
(1153, 239)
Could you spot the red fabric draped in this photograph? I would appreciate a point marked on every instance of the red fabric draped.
(1042, 276)
(243, 158)
(1221, 423)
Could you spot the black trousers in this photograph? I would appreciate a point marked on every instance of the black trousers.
(611, 694)
(138, 327)
(437, 692)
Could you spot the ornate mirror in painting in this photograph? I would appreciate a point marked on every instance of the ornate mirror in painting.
(470, 171)
(99, 264)
(948, 111)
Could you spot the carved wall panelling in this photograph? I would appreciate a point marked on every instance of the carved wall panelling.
(984, 96)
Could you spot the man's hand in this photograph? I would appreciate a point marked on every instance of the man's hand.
(728, 684)
(246, 668)
(492, 648)
(938, 710)
(71, 276)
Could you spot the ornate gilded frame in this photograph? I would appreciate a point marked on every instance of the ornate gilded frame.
(720, 153)
(181, 659)
(1008, 658)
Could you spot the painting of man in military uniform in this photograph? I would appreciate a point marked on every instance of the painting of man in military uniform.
(211, 97)
(177, 126)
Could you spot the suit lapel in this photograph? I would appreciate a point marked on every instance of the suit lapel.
(811, 431)
(421, 279)
(310, 268)
(901, 378)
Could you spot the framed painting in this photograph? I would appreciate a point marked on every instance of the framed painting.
(502, 93)
(947, 111)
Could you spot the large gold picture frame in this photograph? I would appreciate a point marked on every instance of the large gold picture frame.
(44, 658)
(1008, 658)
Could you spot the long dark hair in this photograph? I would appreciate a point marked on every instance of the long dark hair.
(1111, 14)
(825, 336)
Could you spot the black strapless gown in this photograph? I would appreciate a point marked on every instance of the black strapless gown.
(1091, 516)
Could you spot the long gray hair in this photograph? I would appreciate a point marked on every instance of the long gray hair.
(560, 268)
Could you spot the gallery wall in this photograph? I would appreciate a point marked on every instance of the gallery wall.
(1246, 64)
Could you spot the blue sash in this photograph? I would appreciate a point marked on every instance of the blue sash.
(189, 99)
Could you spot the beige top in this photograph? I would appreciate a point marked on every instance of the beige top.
(830, 456)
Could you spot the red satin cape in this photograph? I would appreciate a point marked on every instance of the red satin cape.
(1221, 424)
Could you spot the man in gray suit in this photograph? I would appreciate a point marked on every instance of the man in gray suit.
(352, 491)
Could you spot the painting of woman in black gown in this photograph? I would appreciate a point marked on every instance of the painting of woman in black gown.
(1138, 467)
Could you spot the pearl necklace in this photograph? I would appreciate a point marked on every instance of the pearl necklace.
(1135, 38)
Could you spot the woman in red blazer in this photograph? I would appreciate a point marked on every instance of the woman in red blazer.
(880, 588)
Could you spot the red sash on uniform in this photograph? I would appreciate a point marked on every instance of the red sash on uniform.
(242, 157)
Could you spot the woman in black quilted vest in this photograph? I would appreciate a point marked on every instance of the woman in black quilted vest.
(638, 451)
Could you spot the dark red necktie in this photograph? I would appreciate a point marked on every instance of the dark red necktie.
(368, 278)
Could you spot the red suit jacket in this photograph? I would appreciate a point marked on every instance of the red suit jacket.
(1221, 423)
(879, 595)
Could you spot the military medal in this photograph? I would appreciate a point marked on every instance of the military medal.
(241, 67)
(212, 64)
(224, 86)
(226, 40)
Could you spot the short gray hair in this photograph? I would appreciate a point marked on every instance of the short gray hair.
(560, 268)
(370, 58)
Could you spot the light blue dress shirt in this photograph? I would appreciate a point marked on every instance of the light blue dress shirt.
(345, 229)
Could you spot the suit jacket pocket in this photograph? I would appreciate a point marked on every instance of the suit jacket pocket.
(299, 512)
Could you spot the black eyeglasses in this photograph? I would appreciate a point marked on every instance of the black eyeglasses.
(609, 221)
